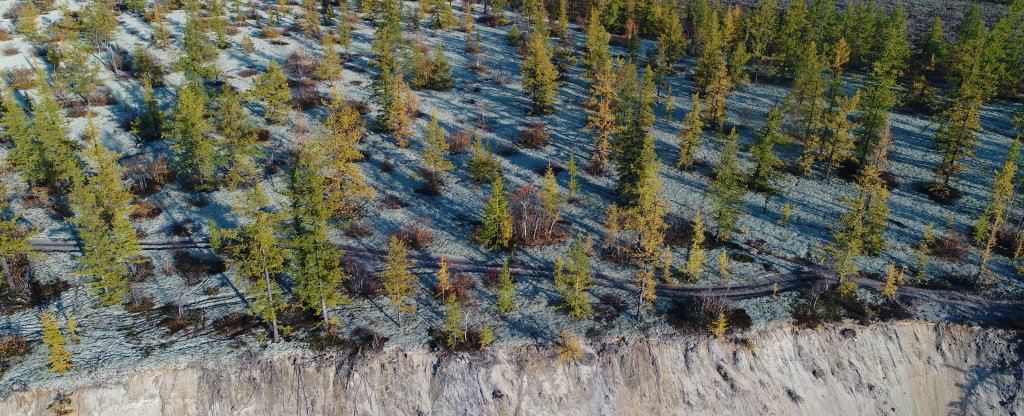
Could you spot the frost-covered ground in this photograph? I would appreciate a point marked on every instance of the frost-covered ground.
(115, 341)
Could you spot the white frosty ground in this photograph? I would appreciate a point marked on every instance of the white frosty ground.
(117, 342)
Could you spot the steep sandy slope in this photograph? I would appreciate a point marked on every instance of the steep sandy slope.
(904, 368)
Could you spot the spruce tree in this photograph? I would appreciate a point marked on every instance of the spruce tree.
(13, 238)
(197, 51)
(601, 119)
(573, 279)
(505, 296)
(346, 182)
(727, 190)
(59, 358)
(441, 72)
(989, 222)
(695, 257)
(253, 251)
(101, 203)
(539, 74)
(329, 68)
(767, 163)
(435, 150)
(194, 150)
(495, 231)
(149, 124)
(550, 200)
(398, 281)
(316, 264)
(596, 56)
(805, 101)
(55, 162)
(574, 183)
(715, 107)
(956, 137)
(237, 152)
(271, 90)
(453, 322)
(26, 156)
(762, 27)
(690, 134)
(635, 117)
(26, 23)
(792, 37)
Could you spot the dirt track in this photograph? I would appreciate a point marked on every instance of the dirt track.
(934, 304)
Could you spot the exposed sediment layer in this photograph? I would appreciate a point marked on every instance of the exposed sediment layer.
(907, 368)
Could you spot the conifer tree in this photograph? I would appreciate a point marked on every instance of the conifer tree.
(635, 116)
(238, 149)
(150, 123)
(723, 265)
(495, 231)
(762, 27)
(346, 183)
(435, 150)
(835, 144)
(805, 101)
(194, 150)
(453, 319)
(986, 227)
(956, 137)
(601, 119)
(648, 219)
(562, 24)
(573, 279)
(574, 183)
(539, 74)
(695, 257)
(727, 190)
(720, 324)
(271, 90)
(398, 281)
(196, 51)
(26, 156)
(53, 152)
(329, 68)
(444, 279)
(441, 72)
(596, 56)
(13, 239)
(690, 134)
(254, 253)
(26, 24)
(792, 36)
(310, 21)
(889, 286)
(767, 163)
(720, 85)
(505, 297)
(550, 200)
(441, 15)
(101, 203)
(161, 34)
(59, 358)
(316, 262)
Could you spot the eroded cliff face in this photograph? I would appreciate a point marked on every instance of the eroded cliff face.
(903, 368)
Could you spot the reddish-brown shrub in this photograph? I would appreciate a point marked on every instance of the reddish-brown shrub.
(534, 135)
(392, 201)
(950, 248)
(22, 78)
(460, 142)
(416, 235)
(146, 210)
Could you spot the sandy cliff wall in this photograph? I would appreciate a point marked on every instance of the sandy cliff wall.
(904, 369)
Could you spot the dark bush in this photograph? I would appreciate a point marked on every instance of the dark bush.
(534, 135)
(416, 235)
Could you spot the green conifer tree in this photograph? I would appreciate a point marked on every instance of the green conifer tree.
(727, 190)
(398, 281)
(194, 150)
(505, 297)
(253, 251)
(495, 231)
(101, 203)
(539, 74)
(271, 90)
(59, 358)
(690, 134)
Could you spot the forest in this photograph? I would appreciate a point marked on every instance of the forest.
(187, 179)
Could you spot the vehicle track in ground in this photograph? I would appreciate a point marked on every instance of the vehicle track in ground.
(946, 305)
